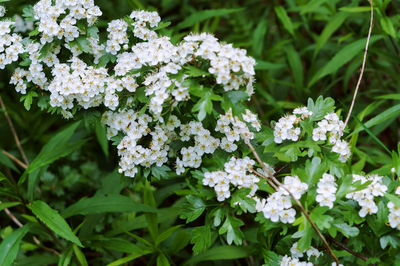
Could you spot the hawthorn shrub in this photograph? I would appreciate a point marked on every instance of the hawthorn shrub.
(192, 175)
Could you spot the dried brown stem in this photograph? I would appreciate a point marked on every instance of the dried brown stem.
(279, 184)
(362, 66)
(9, 155)
(13, 132)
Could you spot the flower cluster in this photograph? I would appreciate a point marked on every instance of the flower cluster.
(326, 190)
(136, 149)
(296, 254)
(225, 61)
(234, 129)
(365, 197)
(58, 19)
(10, 44)
(278, 206)
(236, 173)
(132, 149)
(287, 127)
(117, 36)
(204, 144)
(331, 128)
(394, 213)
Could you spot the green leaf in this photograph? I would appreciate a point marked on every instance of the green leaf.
(66, 257)
(39, 259)
(330, 28)
(391, 112)
(57, 147)
(180, 240)
(104, 204)
(264, 65)
(372, 135)
(28, 99)
(162, 260)
(151, 218)
(193, 71)
(259, 36)
(203, 106)
(93, 32)
(7, 162)
(167, 233)
(394, 241)
(320, 219)
(311, 6)
(231, 228)
(394, 199)
(201, 238)
(345, 187)
(321, 107)
(129, 258)
(27, 12)
(220, 253)
(233, 99)
(102, 136)
(4, 205)
(45, 50)
(284, 18)
(83, 44)
(193, 208)
(52, 219)
(241, 198)
(387, 26)
(79, 255)
(203, 15)
(272, 258)
(305, 240)
(356, 9)
(34, 32)
(347, 230)
(118, 244)
(33, 181)
(342, 57)
(160, 171)
(10, 245)
(314, 170)
(296, 66)
(162, 25)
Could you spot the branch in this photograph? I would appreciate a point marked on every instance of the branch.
(278, 184)
(362, 66)
(13, 132)
(343, 246)
(9, 155)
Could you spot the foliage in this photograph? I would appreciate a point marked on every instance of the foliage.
(76, 208)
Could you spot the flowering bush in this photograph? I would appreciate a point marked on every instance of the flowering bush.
(177, 111)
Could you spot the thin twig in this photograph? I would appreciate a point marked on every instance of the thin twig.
(13, 132)
(343, 246)
(12, 217)
(362, 66)
(278, 184)
(267, 179)
(9, 155)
